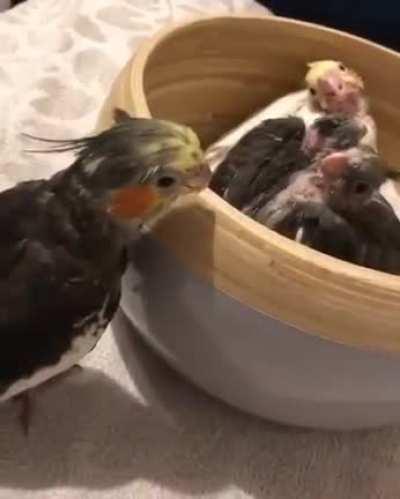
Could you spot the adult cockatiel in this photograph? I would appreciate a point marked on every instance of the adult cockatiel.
(63, 242)
(335, 206)
(331, 88)
(263, 160)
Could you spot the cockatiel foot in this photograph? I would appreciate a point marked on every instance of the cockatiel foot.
(25, 399)
(25, 412)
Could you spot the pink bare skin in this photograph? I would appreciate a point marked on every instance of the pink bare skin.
(336, 94)
(338, 91)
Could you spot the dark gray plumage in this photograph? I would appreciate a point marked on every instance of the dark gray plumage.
(335, 207)
(262, 161)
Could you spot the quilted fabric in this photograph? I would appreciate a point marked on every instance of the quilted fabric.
(127, 427)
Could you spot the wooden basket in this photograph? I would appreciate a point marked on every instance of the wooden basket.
(211, 74)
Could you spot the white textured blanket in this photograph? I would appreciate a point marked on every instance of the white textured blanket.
(127, 427)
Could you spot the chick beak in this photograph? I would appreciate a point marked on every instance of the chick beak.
(380, 219)
(332, 85)
(134, 202)
(337, 94)
(379, 205)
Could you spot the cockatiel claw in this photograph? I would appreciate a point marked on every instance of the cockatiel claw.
(25, 412)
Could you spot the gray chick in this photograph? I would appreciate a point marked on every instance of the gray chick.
(261, 163)
(335, 207)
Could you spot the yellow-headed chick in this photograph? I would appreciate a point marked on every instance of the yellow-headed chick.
(335, 88)
(331, 89)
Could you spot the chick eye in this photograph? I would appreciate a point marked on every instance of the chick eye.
(313, 91)
(360, 188)
(342, 67)
(166, 181)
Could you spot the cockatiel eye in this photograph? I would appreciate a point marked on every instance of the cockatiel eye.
(342, 67)
(361, 188)
(166, 178)
(166, 181)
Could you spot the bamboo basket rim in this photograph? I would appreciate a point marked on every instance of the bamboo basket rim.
(362, 283)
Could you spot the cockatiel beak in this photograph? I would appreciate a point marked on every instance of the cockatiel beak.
(335, 88)
(338, 95)
(200, 178)
(380, 205)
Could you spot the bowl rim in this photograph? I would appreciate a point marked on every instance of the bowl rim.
(363, 281)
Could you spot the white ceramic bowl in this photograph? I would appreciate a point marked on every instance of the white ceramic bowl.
(260, 321)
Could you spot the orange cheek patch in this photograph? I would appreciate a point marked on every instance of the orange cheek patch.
(133, 202)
